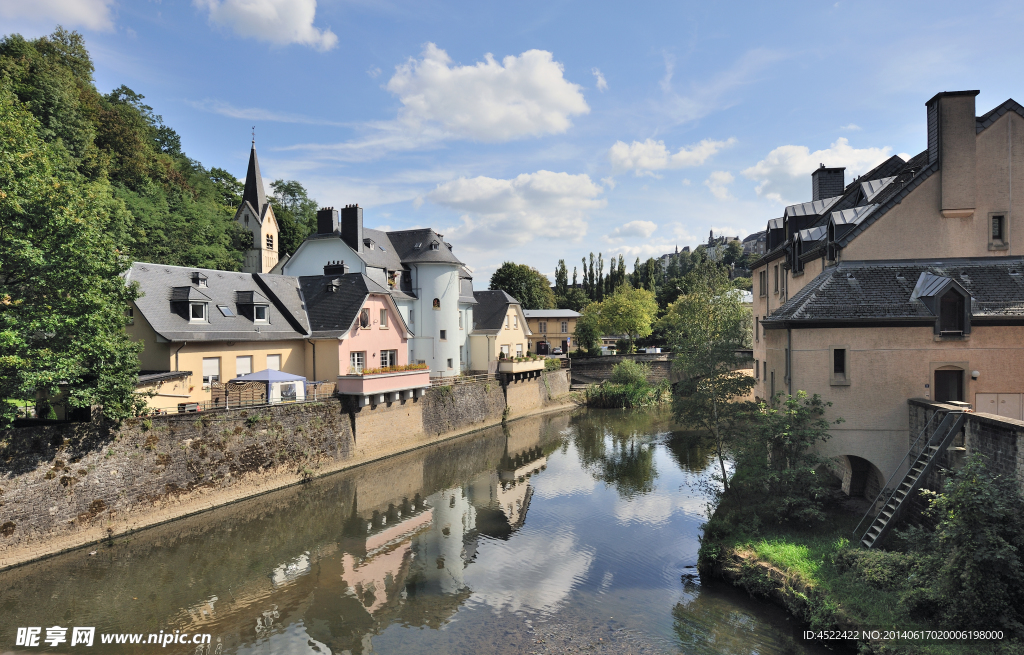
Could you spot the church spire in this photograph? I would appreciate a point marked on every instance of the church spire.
(254, 192)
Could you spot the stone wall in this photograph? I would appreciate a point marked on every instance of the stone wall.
(62, 486)
(598, 369)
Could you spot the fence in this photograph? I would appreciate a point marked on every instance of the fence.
(461, 379)
(229, 395)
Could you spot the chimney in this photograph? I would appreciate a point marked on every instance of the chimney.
(352, 227)
(952, 137)
(327, 220)
(335, 268)
(827, 182)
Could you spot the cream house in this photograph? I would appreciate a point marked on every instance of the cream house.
(552, 327)
(905, 283)
(499, 328)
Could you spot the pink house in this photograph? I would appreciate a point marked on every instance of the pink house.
(359, 333)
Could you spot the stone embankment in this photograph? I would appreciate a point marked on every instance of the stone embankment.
(65, 486)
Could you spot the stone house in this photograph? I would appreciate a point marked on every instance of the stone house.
(904, 283)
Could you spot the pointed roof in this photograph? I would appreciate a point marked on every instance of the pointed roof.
(254, 193)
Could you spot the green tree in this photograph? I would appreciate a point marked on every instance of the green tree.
(295, 212)
(561, 279)
(588, 329)
(574, 299)
(524, 283)
(62, 297)
(705, 328)
(630, 312)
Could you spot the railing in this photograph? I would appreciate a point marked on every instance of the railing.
(896, 472)
(461, 379)
(248, 394)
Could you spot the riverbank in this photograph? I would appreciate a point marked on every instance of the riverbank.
(67, 486)
(823, 580)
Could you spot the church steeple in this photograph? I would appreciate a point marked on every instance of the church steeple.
(254, 192)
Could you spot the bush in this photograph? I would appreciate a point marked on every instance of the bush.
(552, 364)
(626, 396)
(630, 372)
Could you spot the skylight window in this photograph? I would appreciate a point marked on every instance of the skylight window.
(225, 310)
(419, 244)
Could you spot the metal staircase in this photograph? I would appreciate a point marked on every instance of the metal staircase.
(923, 463)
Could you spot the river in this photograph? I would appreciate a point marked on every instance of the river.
(570, 532)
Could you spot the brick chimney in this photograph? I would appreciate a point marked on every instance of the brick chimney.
(335, 268)
(827, 182)
(327, 220)
(952, 139)
(352, 227)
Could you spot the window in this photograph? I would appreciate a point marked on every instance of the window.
(542, 326)
(412, 317)
(504, 349)
(388, 358)
(197, 312)
(225, 311)
(565, 326)
(506, 322)
(997, 232)
(462, 359)
(437, 303)
(129, 315)
(757, 328)
(951, 313)
(515, 322)
(757, 369)
(274, 362)
(450, 363)
(243, 365)
(259, 313)
(460, 320)
(775, 269)
(383, 319)
(519, 350)
(839, 360)
(270, 242)
(364, 318)
(444, 335)
(211, 370)
(762, 282)
(434, 245)
(357, 362)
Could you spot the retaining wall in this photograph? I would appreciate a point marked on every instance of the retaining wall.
(63, 486)
(598, 369)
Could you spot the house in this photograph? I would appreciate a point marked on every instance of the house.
(754, 243)
(256, 216)
(432, 289)
(907, 282)
(500, 330)
(551, 328)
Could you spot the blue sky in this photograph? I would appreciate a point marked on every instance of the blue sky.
(534, 131)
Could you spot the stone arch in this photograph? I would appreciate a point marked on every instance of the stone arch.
(861, 478)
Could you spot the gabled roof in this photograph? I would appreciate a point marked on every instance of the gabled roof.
(167, 289)
(872, 188)
(913, 173)
(812, 234)
(888, 291)
(756, 236)
(254, 193)
(984, 121)
(812, 208)
(332, 313)
(492, 306)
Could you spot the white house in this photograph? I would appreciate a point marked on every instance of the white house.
(432, 288)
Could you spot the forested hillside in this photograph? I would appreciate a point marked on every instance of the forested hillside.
(90, 182)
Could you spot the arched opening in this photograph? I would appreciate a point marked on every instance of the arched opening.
(949, 384)
(861, 478)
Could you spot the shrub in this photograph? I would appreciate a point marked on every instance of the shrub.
(630, 372)
(552, 364)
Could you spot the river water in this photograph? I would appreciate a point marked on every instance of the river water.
(556, 534)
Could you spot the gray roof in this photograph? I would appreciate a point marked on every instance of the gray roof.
(550, 313)
(492, 306)
(168, 289)
(756, 236)
(414, 247)
(986, 119)
(254, 193)
(864, 291)
(872, 188)
(332, 313)
(383, 253)
(811, 208)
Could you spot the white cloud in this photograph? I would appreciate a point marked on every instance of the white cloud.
(277, 21)
(374, 72)
(642, 229)
(652, 155)
(850, 127)
(718, 182)
(258, 114)
(490, 101)
(91, 14)
(784, 175)
(516, 211)
(670, 67)
(602, 84)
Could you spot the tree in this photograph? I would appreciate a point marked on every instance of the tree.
(62, 297)
(524, 283)
(561, 279)
(630, 312)
(295, 212)
(573, 277)
(588, 329)
(574, 299)
(704, 328)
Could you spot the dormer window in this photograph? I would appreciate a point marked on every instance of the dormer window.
(260, 313)
(199, 279)
(434, 245)
(951, 314)
(197, 312)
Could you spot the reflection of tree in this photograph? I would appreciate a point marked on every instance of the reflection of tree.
(618, 448)
(690, 450)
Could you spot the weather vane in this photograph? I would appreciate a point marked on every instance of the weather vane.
(254, 135)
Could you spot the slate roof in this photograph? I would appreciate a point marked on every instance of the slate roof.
(167, 289)
(986, 120)
(885, 291)
(550, 313)
(811, 208)
(492, 306)
(466, 296)
(383, 254)
(405, 242)
(254, 192)
(332, 313)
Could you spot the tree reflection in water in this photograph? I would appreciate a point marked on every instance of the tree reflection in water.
(617, 447)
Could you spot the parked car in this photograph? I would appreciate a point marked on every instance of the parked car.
(556, 351)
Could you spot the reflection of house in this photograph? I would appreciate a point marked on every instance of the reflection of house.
(907, 282)
(553, 327)
(499, 327)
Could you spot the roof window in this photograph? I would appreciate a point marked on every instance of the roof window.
(225, 310)
(434, 245)
(419, 244)
(197, 312)
(261, 314)
(199, 279)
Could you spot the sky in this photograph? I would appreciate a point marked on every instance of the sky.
(538, 131)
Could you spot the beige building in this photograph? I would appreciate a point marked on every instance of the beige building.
(907, 282)
(499, 327)
(552, 327)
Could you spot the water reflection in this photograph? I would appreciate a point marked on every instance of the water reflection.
(556, 520)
